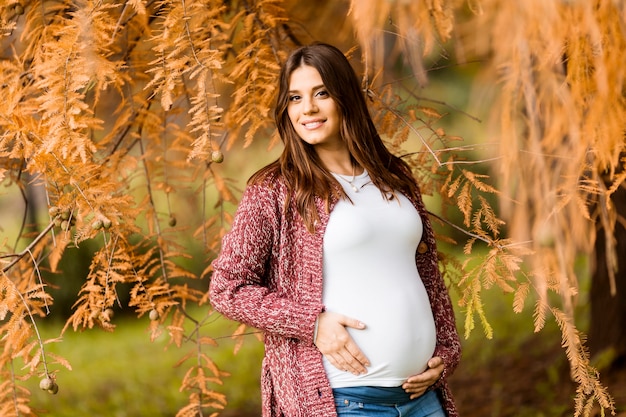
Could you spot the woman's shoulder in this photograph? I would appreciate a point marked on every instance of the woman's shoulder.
(270, 172)
(269, 177)
(265, 186)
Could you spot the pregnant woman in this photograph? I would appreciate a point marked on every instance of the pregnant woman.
(332, 255)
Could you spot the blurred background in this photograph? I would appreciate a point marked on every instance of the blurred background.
(518, 372)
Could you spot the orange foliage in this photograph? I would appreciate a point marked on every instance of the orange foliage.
(120, 109)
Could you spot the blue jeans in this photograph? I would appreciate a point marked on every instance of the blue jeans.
(427, 405)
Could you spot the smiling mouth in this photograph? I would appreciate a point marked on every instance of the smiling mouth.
(313, 125)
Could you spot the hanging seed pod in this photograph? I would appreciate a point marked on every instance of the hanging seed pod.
(54, 389)
(65, 214)
(106, 223)
(46, 383)
(96, 224)
(217, 156)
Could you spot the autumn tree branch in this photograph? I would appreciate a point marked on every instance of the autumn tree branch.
(28, 249)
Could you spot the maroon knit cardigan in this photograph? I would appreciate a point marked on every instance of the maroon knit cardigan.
(269, 276)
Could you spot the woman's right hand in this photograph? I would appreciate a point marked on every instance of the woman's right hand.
(335, 343)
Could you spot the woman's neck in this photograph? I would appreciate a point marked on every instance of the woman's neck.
(339, 162)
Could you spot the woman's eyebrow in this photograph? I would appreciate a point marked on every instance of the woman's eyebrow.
(317, 87)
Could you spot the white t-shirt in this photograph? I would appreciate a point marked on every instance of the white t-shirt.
(370, 275)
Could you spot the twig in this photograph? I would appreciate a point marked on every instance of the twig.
(28, 249)
(25, 198)
(372, 94)
(480, 161)
(26, 306)
(32, 319)
(443, 103)
(153, 205)
(188, 32)
(467, 232)
(45, 300)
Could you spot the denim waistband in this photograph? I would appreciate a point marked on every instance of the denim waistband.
(374, 395)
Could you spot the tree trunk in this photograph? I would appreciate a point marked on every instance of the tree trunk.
(608, 312)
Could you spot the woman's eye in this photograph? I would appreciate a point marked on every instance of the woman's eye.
(294, 98)
(322, 93)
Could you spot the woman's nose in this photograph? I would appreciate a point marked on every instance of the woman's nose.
(309, 106)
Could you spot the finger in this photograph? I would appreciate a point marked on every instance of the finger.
(337, 364)
(351, 364)
(353, 323)
(416, 391)
(357, 354)
(417, 395)
(421, 381)
(416, 387)
(341, 360)
(431, 374)
(435, 362)
(344, 366)
(421, 378)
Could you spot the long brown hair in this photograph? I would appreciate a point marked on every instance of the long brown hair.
(303, 171)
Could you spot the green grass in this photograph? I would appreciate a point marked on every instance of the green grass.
(124, 374)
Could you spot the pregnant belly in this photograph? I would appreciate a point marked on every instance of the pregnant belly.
(398, 341)
(397, 350)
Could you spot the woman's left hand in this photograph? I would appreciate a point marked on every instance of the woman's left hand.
(417, 385)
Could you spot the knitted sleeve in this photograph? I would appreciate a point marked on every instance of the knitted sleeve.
(243, 285)
(448, 345)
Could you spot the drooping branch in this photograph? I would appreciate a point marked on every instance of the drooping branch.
(28, 249)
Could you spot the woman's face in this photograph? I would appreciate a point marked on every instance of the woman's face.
(313, 113)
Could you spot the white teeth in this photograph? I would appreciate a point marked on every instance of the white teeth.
(312, 125)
